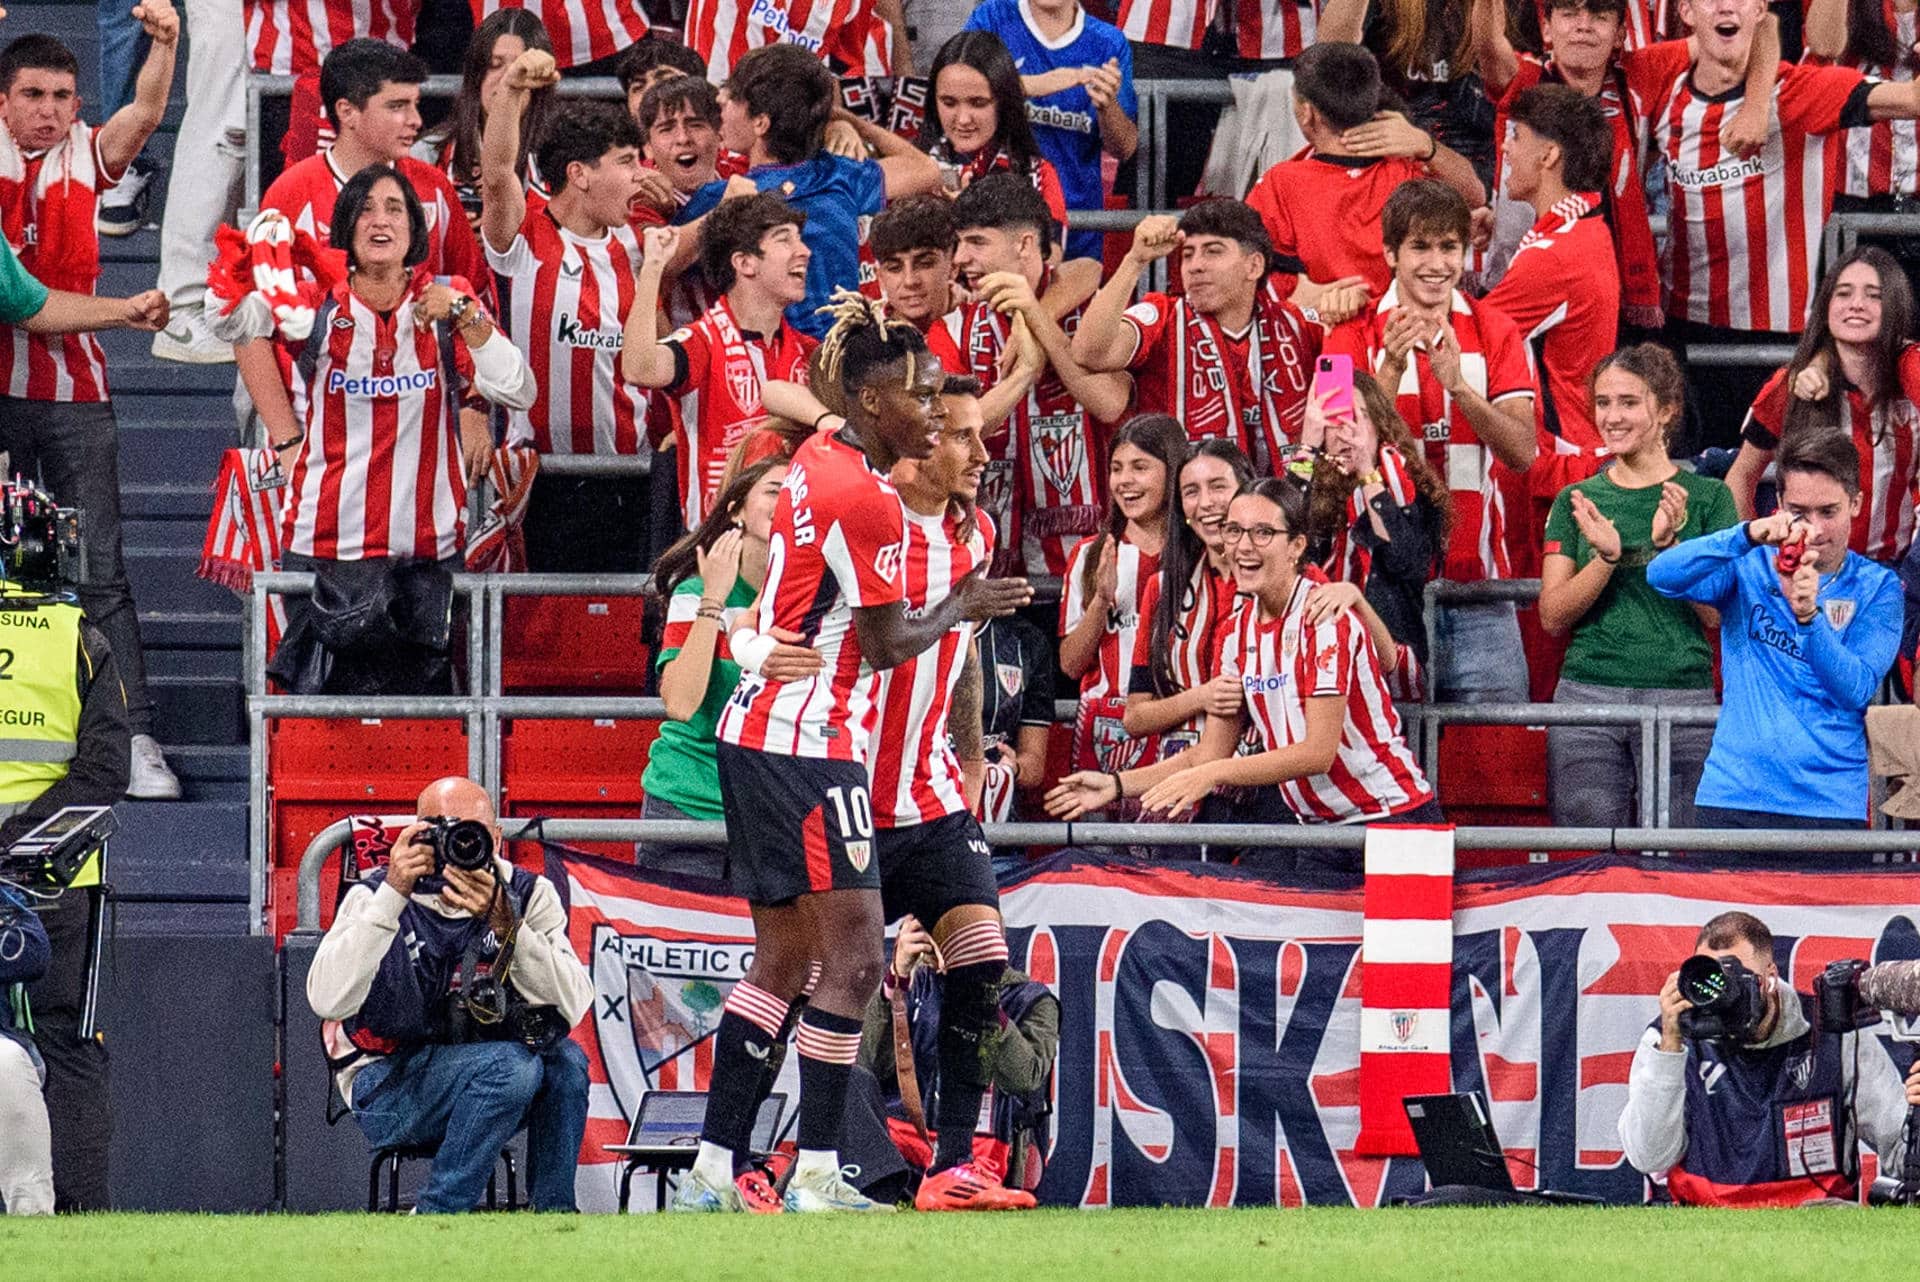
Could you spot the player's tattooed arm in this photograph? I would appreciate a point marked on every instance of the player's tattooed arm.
(963, 725)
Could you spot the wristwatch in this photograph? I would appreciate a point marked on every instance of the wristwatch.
(462, 307)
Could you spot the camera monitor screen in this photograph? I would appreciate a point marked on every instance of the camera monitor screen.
(67, 822)
(671, 1119)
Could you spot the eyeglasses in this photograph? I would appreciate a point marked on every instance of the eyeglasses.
(1261, 535)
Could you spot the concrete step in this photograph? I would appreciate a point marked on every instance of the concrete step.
(223, 662)
(164, 502)
(181, 849)
(210, 772)
(169, 917)
(168, 575)
(181, 453)
(205, 710)
(216, 631)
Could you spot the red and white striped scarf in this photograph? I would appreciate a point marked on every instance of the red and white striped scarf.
(496, 543)
(243, 534)
(1406, 980)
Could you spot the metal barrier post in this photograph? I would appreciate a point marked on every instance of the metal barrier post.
(1647, 765)
(1663, 774)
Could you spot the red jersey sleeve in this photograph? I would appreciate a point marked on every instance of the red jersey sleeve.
(1525, 77)
(1073, 601)
(1352, 338)
(1508, 373)
(1910, 372)
(1652, 69)
(1813, 100)
(1148, 319)
(697, 351)
(1533, 286)
(1053, 193)
(1265, 200)
(1769, 413)
(862, 535)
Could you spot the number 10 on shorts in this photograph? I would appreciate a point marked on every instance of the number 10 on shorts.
(853, 810)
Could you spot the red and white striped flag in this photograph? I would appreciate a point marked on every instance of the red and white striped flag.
(1406, 980)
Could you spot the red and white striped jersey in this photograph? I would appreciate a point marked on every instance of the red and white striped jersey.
(1888, 438)
(836, 546)
(1249, 387)
(721, 371)
(722, 31)
(581, 30)
(379, 473)
(1262, 28)
(47, 202)
(1193, 643)
(293, 37)
(1284, 662)
(1744, 235)
(916, 776)
(1134, 570)
(1883, 159)
(1058, 454)
(1493, 360)
(570, 297)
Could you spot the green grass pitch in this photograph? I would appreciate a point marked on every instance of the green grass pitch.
(1505, 1245)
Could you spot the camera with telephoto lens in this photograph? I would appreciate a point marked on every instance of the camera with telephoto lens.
(466, 844)
(40, 543)
(1728, 1001)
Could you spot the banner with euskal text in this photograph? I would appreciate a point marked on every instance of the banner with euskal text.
(1210, 1018)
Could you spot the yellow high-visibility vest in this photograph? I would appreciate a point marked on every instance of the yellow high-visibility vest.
(39, 702)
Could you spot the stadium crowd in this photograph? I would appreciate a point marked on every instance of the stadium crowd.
(1458, 329)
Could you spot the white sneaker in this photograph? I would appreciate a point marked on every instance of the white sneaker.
(123, 210)
(189, 339)
(828, 1191)
(150, 778)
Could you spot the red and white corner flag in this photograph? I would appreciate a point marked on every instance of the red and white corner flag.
(1406, 980)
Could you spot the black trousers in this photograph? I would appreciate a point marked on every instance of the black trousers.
(79, 1107)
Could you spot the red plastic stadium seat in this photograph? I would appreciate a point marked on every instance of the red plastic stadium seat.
(574, 770)
(566, 643)
(322, 771)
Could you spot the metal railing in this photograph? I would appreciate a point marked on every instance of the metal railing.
(1223, 836)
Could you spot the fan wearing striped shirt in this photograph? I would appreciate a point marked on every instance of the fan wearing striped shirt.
(1313, 689)
(569, 265)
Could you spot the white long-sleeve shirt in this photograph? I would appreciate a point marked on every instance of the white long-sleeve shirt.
(545, 970)
(1653, 1127)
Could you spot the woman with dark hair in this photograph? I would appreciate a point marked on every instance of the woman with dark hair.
(1106, 576)
(978, 124)
(1315, 694)
(376, 472)
(1175, 681)
(1857, 369)
(1379, 516)
(1629, 645)
(1429, 63)
(454, 145)
(706, 579)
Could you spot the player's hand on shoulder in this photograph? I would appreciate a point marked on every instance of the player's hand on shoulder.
(984, 598)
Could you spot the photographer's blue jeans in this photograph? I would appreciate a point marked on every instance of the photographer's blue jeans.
(470, 1100)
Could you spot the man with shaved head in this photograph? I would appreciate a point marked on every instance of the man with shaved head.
(447, 994)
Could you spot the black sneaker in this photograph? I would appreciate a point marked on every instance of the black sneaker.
(123, 210)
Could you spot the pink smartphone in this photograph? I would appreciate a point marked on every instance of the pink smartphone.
(1334, 374)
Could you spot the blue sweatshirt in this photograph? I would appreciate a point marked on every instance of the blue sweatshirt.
(1792, 737)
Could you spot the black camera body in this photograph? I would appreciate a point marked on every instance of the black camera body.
(1728, 1000)
(466, 844)
(40, 541)
(1837, 1004)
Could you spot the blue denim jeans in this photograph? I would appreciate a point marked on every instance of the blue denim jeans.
(123, 47)
(1480, 656)
(470, 1100)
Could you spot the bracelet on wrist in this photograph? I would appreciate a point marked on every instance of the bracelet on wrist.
(1119, 785)
(297, 439)
(823, 416)
(1604, 558)
(1433, 149)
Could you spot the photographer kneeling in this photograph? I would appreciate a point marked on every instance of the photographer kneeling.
(1738, 1100)
(449, 987)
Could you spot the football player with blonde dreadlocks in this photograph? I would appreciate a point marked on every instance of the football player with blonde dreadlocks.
(793, 756)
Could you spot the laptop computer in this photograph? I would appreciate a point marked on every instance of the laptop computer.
(668, 1122)
(1459, 1146)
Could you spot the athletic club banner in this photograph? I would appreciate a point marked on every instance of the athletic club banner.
(1211, 1020)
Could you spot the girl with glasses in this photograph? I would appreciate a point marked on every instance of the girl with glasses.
(1313, 691)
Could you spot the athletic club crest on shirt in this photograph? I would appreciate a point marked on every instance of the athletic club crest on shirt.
(1060, 446)
(859, 854)
(1839, 612)
(1012, 678)
(744, 383)
(1405, 1022)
